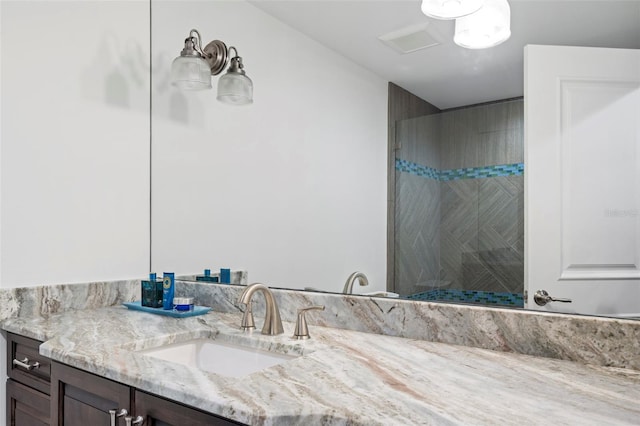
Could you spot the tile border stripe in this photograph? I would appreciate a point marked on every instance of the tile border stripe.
(515, 169)
(471, 296)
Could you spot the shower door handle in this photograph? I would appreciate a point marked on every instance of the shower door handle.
(542, 298)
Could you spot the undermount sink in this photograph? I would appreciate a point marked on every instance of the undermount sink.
(218, 357)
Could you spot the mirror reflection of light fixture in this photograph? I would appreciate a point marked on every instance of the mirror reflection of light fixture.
(450, 9)
(488, 27)
(192, 70)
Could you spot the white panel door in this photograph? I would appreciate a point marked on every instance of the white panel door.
(582, 179)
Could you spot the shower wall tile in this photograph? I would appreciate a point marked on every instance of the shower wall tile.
(459, 216)
(475, 274)
(482, 135)
(459, 228)
(515, 169)
(417, 242)
(501, 116)
(501, 132)
(417, 169)
(471, 296)
(501, 146)
(482, 236)
(506, 267)
(480, 242)
(419, 140)
(501, 230)
(459, 139)
(500, 210)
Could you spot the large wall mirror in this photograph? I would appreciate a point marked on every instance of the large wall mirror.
(293, 188)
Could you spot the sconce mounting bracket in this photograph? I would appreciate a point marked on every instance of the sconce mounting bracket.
(217, 55)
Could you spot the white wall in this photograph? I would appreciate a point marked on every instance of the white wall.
(291, 188)
(74, 141)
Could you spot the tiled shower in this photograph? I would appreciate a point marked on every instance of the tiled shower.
(459, 218)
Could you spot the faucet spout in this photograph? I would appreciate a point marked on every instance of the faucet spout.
(348, 286)
(272, 321)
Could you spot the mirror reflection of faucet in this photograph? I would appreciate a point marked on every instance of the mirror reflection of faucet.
(272, 322)
(362, 280)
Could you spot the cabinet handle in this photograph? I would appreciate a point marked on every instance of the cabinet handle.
(130, 421)
(114, 414)
(25, 364)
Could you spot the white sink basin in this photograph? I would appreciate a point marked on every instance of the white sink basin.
(218, 357)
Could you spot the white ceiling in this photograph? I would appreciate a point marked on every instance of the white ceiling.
(447, 75)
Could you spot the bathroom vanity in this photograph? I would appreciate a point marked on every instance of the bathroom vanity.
(41, 392)
(339, 376)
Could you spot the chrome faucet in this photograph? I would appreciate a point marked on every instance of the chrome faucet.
(272, 321)
(348, 286)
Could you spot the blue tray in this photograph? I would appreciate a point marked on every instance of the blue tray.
(197, 310)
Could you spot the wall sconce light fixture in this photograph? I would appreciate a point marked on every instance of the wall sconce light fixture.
(192, 70)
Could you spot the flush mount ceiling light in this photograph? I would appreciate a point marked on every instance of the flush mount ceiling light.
(192, 70)
(450, 9)
(487, 27)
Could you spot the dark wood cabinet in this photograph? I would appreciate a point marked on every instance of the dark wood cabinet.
(81, 398)
(25, 351)
(26, 406)
(28, 386)
(158, 411)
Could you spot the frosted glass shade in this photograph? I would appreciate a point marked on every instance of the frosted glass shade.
(235, 88)
(450, 9)
(191, 73)
(488, 27)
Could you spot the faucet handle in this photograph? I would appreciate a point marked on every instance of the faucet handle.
(302, 331)
(247, 319)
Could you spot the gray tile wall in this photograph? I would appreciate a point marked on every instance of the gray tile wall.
(419, 140)
(417, 243)
(417, 213)
(402, 105)
(482, 136)
(477, 240)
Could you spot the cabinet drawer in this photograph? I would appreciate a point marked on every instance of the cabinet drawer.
(159, 411)
(26, 406)
(21, 348)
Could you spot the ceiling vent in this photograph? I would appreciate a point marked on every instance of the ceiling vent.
(409, 39)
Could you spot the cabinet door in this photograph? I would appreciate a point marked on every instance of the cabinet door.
(25, 352)
(161, 412)
(79, 398)
(26, 406)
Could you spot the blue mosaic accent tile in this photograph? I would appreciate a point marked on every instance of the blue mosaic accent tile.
(416, 169)
(516, 169)
(471, 296)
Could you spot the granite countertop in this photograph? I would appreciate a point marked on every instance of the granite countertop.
(341, 377)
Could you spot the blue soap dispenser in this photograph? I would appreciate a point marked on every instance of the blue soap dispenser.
(168, 289)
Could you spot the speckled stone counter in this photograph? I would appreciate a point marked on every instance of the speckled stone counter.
(585, 339)
(341, 376)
